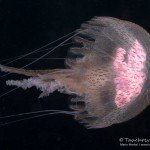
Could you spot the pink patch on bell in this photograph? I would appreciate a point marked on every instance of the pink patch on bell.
(130, 77)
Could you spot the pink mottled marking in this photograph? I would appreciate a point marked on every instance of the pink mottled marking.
(129, 75)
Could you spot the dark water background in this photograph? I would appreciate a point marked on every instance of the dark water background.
(29, 24)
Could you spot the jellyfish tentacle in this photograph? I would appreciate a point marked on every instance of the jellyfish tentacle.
(16, 58)
(39, 49)
(90, 26)
(70, 79)
(25, 72)
(30, 73)
(37, 116)
(63, 80)
(54, 74)
(36, 60)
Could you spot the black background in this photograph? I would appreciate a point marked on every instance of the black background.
(29, 24)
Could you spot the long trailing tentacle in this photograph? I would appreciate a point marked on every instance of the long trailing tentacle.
(16, 58)
(55, 58)
(10, 91)
(39, 49)
(31, 73)
(29, 113)
(47, 52)
(47, 113)
(37, 114)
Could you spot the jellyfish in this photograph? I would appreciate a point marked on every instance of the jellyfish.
(107, 71)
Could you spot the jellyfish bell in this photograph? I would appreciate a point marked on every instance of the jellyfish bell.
(107, 70)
